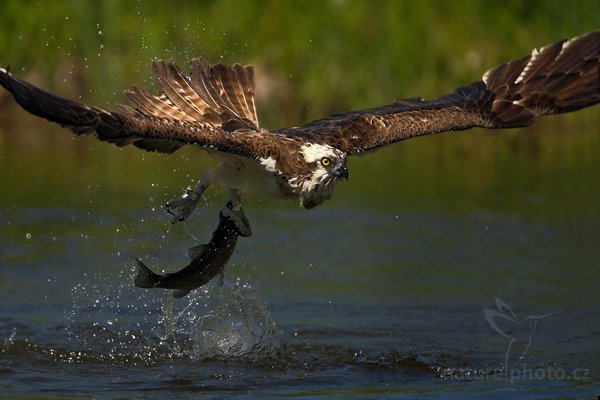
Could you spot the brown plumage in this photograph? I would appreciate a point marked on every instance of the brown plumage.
(213, 107)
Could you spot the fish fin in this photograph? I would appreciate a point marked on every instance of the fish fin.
(179, 293)
(195, 251)
(219, 278)
(145, 278)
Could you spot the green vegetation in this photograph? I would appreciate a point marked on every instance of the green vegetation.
(314, 57)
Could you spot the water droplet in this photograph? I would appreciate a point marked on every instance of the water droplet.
(28, 235)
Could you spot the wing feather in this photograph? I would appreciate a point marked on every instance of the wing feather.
(159, 105)
(245, 76)
(201, 82)
(212, 107)
(80, 118)
(561, 77)
(210, 94)
(234, 88)
(149, 133)
(177, 89)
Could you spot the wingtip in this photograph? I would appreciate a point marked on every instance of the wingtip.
(5, 76)
(198, 60)
(158, 65)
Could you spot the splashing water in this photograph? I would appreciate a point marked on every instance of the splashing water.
(224, 322)
(112, 320)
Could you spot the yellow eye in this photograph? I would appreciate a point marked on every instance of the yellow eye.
(325, 161)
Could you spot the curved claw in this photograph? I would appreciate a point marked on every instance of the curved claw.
(182, 207)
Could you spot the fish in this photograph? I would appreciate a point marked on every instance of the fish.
(208, 260)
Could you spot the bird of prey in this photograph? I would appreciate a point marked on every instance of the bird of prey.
(213, 108)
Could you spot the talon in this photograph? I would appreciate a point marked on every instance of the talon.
(182, 207)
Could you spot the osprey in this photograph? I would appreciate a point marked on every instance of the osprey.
(213, 108)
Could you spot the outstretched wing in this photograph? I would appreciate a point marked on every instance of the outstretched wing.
(219, 95)
(561, 77)
(212, 107)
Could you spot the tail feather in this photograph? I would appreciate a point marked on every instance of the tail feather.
(145, 278)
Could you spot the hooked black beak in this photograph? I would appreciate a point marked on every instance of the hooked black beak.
(341, 172)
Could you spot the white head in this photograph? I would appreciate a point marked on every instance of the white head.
(320, 166)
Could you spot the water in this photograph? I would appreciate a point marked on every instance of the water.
(380, 293)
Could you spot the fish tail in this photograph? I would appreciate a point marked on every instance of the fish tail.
(145, 278)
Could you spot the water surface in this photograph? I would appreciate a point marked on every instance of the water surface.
(381, 292)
